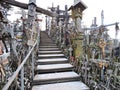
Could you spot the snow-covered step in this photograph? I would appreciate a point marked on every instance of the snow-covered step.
(54, 68)
(50, 56)
(52, 61)
(48, 49)
(76, 85)
(48, 52)
(48, 46)
(55, 78)
(51, 76)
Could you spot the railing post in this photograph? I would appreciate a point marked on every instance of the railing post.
(22, 78)
(33, 64)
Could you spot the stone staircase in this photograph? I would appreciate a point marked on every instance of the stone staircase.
(53, 70)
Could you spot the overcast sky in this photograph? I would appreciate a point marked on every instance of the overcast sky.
(110, 7)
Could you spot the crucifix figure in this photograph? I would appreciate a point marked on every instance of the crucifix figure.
(102, 45)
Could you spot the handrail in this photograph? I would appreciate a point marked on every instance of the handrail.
(7, 85)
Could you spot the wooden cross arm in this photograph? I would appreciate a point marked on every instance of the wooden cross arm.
(25, 6)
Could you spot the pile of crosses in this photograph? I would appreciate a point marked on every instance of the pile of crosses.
(95, 56)
(16, 40)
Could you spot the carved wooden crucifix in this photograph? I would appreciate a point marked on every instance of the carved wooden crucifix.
(102, 45)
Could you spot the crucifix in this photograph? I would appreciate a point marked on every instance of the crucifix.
(102, 45)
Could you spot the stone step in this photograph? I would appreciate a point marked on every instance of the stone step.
(50, 68)
(75, 85)
(50, 78)
(49, 52)
(42, 56)
(52, 61)
(46, 44)
(48, 49)
(49, 46)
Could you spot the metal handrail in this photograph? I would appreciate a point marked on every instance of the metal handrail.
(7, 85)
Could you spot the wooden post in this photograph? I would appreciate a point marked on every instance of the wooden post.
(31, 21)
